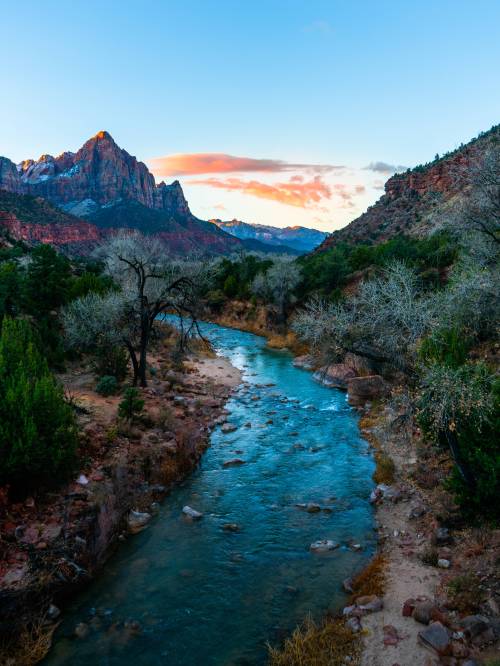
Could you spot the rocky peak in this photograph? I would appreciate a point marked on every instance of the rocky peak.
(10, 179)
(99, 174)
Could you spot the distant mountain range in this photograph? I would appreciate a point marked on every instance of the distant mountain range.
(79, 198)
(300, 239)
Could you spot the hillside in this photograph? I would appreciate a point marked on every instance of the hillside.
(419, 201)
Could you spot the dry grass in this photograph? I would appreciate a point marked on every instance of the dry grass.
(29, 647)
(384, 472)
(372, 579)
(327, 644)
(465, 593)
(290, 341)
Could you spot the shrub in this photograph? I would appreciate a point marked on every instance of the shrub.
(113, 361)
(430, 556)
(37, 427)
(460, 407)
(465, 593)
(131, 405)
(448, 346)
(384, 472)
(107, 385)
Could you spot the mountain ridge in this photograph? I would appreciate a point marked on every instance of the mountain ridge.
(417, 201)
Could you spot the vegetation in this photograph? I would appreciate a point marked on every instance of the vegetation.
(328, 643)
(131, 405)
(148, 284)
(402, 321)
(37, 427)
(107, 385)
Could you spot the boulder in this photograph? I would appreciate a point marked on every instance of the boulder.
(364, 389)
(369, 603)
(191, 513)
(442, 537)
(306, 362)
(423, 611)
(408, 608)
(231, 527)
(234, 462)
(312, 507)
(137, 520)
(436, 637)
(228, 427)
(335, 376)
(323, 546)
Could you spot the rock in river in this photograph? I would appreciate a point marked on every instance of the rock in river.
(228, 427)
(323, 546)
(233, 462)
(137, 521)
(191, 513)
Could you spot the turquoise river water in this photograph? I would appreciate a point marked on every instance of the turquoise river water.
(186, 593)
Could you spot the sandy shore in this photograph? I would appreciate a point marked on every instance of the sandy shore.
(218, 370)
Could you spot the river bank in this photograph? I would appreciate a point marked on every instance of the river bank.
(55, 544)
(439, 601)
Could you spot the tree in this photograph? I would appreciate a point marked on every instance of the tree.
(37, 427)
(382, 322)
(277, 285)
(149, 283)
(480, 211)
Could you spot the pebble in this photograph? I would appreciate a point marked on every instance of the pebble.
(444, 564)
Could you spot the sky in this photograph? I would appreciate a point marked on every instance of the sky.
(282, 112)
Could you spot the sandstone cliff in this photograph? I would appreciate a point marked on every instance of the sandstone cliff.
(417, 202)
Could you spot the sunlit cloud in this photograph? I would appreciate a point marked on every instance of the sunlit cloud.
(303, 194)
(384, 167)
(191, 164)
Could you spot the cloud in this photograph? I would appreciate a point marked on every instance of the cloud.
(303, 194)
(219, 206)
(378, 185)
(190, 164)
(383, 167)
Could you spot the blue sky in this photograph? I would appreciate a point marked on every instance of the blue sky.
(311, 82)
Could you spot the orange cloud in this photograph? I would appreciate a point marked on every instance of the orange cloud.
(190, 164)
(304, 194)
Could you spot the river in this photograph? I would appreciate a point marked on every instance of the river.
(194, 594)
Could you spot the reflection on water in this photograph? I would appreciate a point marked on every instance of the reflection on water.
(195, 594)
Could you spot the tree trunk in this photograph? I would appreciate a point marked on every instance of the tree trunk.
(452, 441)
(135, 365)
(145, 330)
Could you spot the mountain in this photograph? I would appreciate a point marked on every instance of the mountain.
(109, 188)
(36, 220)
(300, 239)
(416, 203)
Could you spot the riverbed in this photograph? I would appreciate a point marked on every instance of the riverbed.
(200, 593)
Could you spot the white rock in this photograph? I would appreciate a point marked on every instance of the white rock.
(323, 546)
(191, 513)
(444, 564)
(82, 480)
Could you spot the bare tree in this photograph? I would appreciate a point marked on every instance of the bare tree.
(480, 211)
(382, 322)
(149, 284)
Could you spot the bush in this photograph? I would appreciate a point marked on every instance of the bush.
(448, 346)
(465, 594)
(38, 435)
(111, 361)
(107, 385)
(131, 405)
